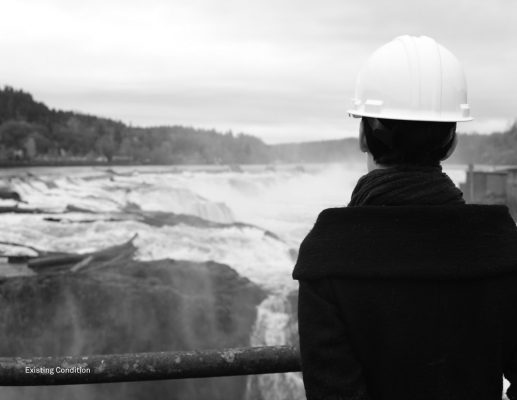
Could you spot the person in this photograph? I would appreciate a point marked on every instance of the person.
(408, 292)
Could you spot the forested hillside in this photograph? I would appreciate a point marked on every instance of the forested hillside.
(30, 131)
(498, 148)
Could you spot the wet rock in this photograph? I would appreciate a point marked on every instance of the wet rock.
(6, 194)
(135, 307)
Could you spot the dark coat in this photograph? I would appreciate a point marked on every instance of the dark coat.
(409, 302)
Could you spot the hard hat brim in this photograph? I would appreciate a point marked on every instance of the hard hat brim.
(434, 118)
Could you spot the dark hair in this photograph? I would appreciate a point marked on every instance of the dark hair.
(395, 142)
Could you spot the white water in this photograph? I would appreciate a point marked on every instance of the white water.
(284, 202)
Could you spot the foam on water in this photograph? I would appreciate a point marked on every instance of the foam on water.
(250, 251)
(285, 202)
(106, 193)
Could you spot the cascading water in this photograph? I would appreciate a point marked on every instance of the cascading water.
(275, 325)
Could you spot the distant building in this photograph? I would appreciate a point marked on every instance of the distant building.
(494, 186)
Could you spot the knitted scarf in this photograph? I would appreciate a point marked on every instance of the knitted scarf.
(406, 185)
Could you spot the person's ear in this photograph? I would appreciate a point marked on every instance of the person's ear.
(363, 146)
(452, 148)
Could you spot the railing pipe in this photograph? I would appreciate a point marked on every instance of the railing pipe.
(147, 366)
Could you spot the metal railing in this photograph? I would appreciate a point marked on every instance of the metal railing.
(107, 368)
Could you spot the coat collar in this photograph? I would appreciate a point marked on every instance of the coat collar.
(410, 242)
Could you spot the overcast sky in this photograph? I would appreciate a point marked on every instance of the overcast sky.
(283, 70)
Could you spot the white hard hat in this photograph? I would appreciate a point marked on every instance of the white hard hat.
(412, 78)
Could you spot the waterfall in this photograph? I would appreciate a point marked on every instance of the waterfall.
(275, 325)
(108, 194)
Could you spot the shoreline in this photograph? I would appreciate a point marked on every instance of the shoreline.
(73, 163)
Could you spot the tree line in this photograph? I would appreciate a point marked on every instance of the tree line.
(29, 130)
